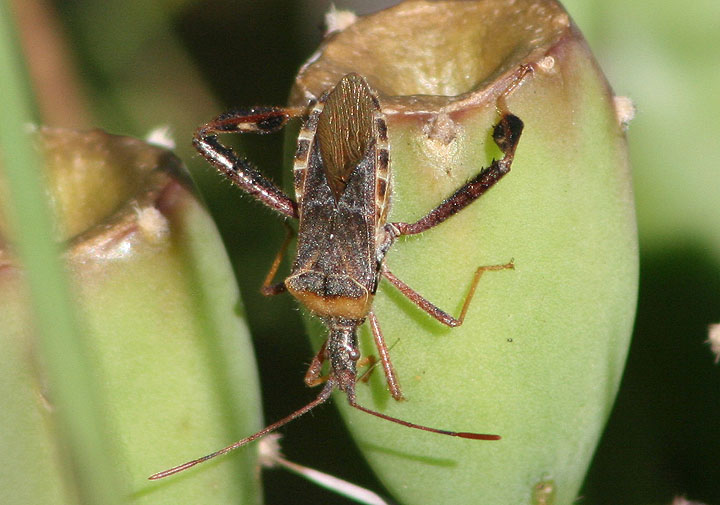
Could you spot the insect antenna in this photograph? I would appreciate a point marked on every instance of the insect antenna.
(461, 434)
(322, 398)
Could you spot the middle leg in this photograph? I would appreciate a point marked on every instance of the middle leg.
(269, 288)
(431, 308)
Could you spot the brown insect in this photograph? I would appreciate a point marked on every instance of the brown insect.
(342, 185)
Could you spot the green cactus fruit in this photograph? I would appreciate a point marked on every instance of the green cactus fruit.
(539, 357)
(163, 325)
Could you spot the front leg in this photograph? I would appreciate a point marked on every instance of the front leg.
(506, 135)
(255, 120)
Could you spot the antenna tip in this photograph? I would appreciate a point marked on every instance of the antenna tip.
(478, 436)
(172, 471)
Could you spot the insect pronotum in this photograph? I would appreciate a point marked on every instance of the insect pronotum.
(343, 189)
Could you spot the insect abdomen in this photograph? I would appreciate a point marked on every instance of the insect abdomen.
(330, 295)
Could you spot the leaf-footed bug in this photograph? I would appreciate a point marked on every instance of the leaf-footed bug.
(343, 188)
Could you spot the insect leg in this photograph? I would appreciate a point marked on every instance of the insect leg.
(313, 376)
(390, 376)
(524, 71)
(368, 361)
(268, 288)
(432, 309)
(242, 172)
(506, 135)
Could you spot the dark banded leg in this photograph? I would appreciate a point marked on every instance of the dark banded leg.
(506, 135)
(431, 308)
(254, 120)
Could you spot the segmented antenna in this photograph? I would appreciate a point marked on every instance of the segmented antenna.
(322, 398)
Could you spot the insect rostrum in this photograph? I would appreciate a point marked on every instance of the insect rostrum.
(343, 189)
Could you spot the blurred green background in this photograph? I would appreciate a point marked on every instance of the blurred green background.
(129, 66)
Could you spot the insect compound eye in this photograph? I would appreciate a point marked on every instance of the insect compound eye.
(354, 354)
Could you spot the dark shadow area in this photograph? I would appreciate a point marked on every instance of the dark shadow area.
(410, 455)
(663, 438)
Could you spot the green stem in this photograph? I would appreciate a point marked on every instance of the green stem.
(77, 409)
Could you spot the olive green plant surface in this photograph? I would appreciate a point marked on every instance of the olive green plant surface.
(539, 357)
